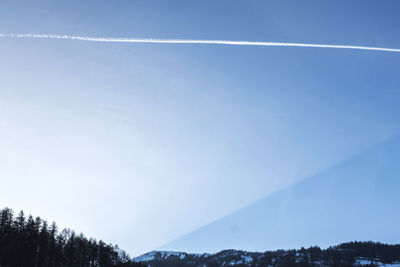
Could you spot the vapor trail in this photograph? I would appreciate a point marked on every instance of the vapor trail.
(187, 41)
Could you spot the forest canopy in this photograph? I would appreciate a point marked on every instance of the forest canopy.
(28, 241)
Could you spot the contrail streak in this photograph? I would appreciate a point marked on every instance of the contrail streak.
(187, 41)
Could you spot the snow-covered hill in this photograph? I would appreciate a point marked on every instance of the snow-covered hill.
(159, 255)
(235, 257)
(347, 254)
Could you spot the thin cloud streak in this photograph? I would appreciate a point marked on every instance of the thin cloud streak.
(188, 41)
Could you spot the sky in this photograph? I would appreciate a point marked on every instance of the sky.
(141, 144)
(353, 200)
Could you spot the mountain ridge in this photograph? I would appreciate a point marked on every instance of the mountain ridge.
(346, 254)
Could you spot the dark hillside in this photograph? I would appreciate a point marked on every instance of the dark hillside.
(32, 242)
(346, 254)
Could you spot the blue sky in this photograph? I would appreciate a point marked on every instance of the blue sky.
(140, 144)
(353, 200)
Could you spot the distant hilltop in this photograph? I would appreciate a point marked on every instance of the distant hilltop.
(346, 254)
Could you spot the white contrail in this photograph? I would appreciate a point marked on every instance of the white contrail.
(187, 41)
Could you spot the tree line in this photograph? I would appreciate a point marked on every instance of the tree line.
(32, 242)
(343, 255)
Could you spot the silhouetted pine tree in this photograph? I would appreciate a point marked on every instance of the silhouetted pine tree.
(29, 242)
